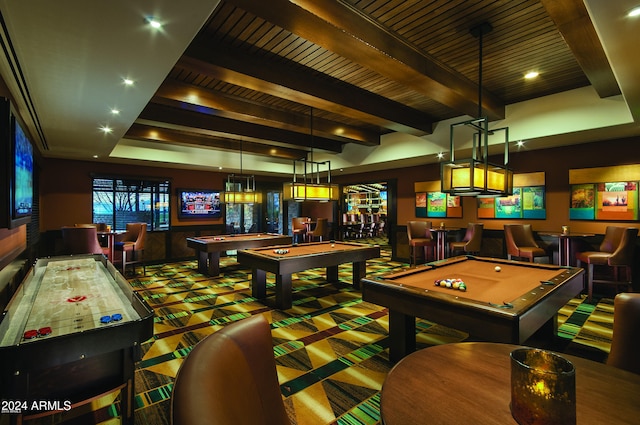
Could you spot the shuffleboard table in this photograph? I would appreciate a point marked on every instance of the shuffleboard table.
(210, 247)
(507, 305)
(285, 260)
(71, 332)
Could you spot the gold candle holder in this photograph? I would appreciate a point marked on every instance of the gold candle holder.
(565, 230)
(543, 388)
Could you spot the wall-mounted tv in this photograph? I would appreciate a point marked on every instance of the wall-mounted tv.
(18, 165)
(199, 203)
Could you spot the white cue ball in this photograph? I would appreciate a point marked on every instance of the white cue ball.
(497, 268)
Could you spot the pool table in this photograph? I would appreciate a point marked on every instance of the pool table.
(285, 260)
(210, 247)
(508, 305)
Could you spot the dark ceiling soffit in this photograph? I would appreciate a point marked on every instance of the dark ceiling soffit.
(573, 21)
(344, 30)
(195, 117)
(171, 136)
(248, 111)
(229, 64)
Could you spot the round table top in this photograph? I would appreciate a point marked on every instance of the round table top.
(463, 383)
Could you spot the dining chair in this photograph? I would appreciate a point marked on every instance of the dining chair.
(319, 231)
(521, 243)
(472, 240)
(131, 244)
(230, 378)
(81, 240)
(616, 252)
(625, 342)
(420, 237)
(299, 228)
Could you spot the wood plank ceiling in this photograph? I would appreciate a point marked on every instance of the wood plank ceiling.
(271, 72)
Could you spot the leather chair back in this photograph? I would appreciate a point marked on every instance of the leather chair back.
(612, 238)
(625, 344)
(474, 237)
(518, 235)
(418, 230)
(321, 228)
(81, 240)
(230, 378)
(138, 232)
(623, 253)
(297, 223)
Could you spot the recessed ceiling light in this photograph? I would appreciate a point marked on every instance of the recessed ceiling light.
(95, 156)
(127, 81)
(106, 129)
(531, 75)
(634, 12)
(440, 155)
(115, 111)
(153, 22)
(520, 143)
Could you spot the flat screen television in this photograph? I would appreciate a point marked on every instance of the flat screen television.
(18, 165)
(199, 203)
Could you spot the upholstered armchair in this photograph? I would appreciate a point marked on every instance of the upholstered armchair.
(81, 240)
(616, 252)
(299, 228)
(625, 343)
(230, 378)
(472, 240)
(419, 235)
(319, 231)
(521, 243)
(131, 244)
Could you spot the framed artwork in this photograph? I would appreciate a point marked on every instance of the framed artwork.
(617, 201)
(526, 202)
(421, 204)
(583, 202)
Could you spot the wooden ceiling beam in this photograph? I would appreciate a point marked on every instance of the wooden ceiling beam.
(573, 21)
(241, 109)
(153, 133)
(341, 28)
(195, 117)
(297, 84)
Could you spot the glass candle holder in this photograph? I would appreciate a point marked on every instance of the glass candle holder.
(565, 230)
(543, 388)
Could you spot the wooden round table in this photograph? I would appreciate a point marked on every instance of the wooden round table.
(470, 383)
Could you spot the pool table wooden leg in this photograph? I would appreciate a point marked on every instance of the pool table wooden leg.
(284, 295)
(402, 335)
(332, 273)
(258, 283)
(214, 263)
(359, 271)
(203, 262)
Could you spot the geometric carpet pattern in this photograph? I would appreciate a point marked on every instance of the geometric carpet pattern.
(330, 347)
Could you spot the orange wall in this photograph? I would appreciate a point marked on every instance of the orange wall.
(555, 163)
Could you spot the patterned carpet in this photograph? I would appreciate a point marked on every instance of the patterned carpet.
(330, 347)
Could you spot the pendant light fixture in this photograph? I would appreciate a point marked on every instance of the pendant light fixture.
(476, 176)
(241, 188)
(310, 186)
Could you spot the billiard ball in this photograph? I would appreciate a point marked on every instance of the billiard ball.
(497, 268)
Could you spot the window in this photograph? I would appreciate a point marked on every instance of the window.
(117, 202)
